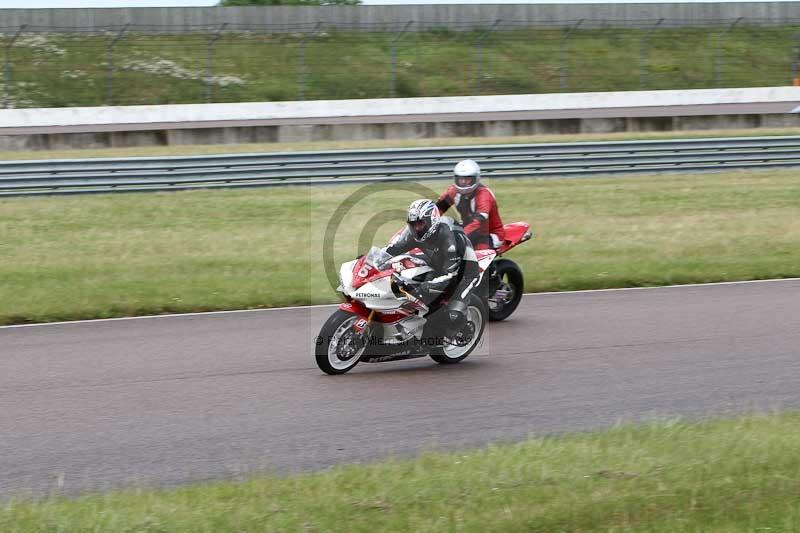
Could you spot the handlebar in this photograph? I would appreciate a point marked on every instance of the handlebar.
(400, 281)
(401, 284)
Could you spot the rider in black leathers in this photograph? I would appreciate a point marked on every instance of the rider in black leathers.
(450, 255)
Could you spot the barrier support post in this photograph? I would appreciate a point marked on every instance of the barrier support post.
(209, 78)
(110, 55)
(563, 54)
(7, 66)
(795, 58)
(393, 53)
(479, 55)
(301, 82)
(644, 46)
(718, 63)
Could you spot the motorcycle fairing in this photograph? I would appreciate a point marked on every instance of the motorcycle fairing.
(516, 233)
(485, 258)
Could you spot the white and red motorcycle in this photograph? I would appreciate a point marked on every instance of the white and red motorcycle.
(381, 320)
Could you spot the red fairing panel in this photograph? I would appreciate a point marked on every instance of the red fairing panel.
(390, 318)
(371, 273)
(358, 281)
(514, 233)
(355, 307)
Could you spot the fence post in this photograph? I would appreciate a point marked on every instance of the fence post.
(795, 55)
(7, 66)
(301, 83)
(393, 52)
(209, 69)
(110, 54)
(563, 54)
(479, 55)
(718, 63)
(643, 49)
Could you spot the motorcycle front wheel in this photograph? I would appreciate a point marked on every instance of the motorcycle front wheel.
(338, 346)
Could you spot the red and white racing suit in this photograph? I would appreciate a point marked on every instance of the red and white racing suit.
(482, 223)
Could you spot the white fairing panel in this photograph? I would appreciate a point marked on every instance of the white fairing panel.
(377, 295)
(485, 261)
(346, 276)
(411, 273)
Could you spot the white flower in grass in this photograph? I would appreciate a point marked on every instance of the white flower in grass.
(40, 43)
(225, 81)
(166, 67)
(72, 74)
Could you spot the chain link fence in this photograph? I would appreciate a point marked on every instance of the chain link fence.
(130, 65)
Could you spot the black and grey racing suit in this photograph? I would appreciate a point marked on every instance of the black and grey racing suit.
(449, 253)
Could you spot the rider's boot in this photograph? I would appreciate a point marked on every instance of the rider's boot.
(455, 329)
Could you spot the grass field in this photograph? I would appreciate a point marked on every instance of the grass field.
(730, 475)
(55, 70)
(118, 255)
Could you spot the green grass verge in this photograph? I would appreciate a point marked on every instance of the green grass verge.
(119, 255)
(730, 475)
(54, 70)
(175, 150)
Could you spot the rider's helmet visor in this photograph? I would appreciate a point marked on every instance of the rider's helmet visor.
(465, 181)
(419, 227)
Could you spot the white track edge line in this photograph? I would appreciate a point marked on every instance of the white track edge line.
(178, 315)
(685, 285)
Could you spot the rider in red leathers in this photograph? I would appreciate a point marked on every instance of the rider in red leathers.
(476, 204)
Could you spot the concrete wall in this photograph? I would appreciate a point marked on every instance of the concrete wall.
(449, 15)
(413, 130)
(383, 110)
(478, 116)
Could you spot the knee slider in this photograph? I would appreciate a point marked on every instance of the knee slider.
(457, 305)
(455, 316)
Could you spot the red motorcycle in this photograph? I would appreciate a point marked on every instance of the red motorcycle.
(505, 283)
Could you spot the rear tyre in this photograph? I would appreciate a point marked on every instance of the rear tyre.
(507, 293)
(477, 316)
(339, 347)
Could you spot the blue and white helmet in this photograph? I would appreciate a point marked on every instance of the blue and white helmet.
(423, 219)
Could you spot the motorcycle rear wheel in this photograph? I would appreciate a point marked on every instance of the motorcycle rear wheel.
(511, 281)
(338, 347)
(478, 315)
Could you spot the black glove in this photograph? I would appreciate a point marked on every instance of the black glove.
(422, 290)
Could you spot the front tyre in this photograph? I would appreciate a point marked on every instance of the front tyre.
(339, 347)
(477, 316)
(509, 285)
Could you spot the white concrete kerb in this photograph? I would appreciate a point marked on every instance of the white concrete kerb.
(320, 109)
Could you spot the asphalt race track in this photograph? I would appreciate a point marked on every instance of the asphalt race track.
(169, 400)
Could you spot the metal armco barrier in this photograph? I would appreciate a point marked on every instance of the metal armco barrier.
(50, 177)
